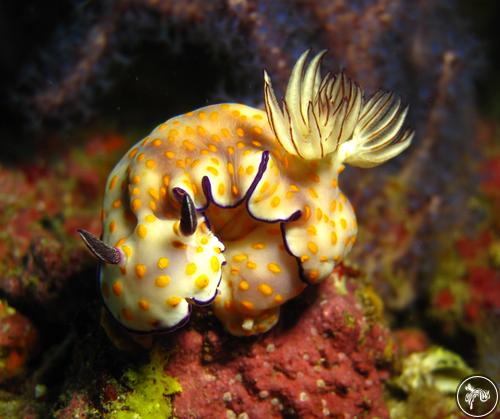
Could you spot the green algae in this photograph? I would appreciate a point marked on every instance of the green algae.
(150, 391)
(435, 367)
(426, 385)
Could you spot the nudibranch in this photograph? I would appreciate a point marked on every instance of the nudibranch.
(238, 207)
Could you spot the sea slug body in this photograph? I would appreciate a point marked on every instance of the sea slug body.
(238, 207)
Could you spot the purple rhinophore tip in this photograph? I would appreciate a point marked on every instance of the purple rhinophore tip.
(101, 250)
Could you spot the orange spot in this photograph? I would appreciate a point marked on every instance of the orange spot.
(333, 238)
(117, 203)
(258, 246)
(265, 289)
(163, 263)
(142, 231)
(313, 248)
(243, 285)
(213, 170)
(251, 265)
(119, 242)
(307, 212)
(247, 305)
(136, 204)
(191, 268)
(169, 154)
(117, 288)
(343, 223)
(202, 281)
(221, 188)
(275, 201)
(274, 268)
(162, 281)
(143, 304)
(313, 275)
(112, 226)
(313, 193)
(214, 263)
(150, 164)
(112, 182)
(153, 193)
(127, 250)
(157, 142)
(249, 170)
(240, 132)
(264, 187)
(240, 258)
(173, 301)
(188, 145)
(278, 298)
(140, 270)
(311, 230)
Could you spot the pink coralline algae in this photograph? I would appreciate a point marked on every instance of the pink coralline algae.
(41, 205)
(327, 362)
(18, 342)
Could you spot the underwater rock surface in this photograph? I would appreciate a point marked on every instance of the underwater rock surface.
(329, 360)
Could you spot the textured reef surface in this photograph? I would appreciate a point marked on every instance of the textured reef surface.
(413, 309)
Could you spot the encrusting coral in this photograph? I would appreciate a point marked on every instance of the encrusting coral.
(230, 205)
